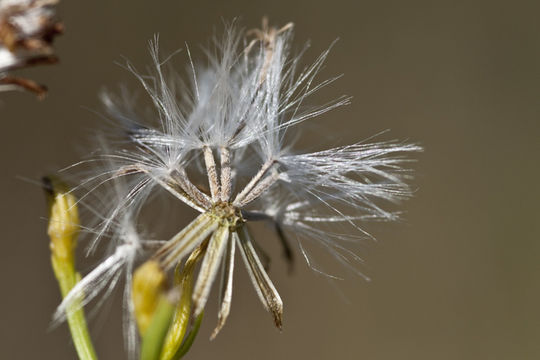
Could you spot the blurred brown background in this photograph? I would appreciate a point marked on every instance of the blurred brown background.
(459, 279)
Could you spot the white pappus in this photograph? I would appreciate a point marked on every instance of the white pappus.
(228, 125)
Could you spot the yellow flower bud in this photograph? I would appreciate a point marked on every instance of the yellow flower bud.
(63, 230)
(149, 284)
(63, 226)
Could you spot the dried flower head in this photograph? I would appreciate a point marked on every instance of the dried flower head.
(27, 29)
(229, 124)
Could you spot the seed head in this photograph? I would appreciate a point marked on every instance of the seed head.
(228, 125)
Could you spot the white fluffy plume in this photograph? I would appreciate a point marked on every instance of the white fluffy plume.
(226, 126)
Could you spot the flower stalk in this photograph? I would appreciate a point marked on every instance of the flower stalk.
(63, 231)
(156, 333)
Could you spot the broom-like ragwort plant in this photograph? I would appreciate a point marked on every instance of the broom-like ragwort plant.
(228, 126)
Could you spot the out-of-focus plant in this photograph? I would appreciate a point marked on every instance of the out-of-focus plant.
(27, 30)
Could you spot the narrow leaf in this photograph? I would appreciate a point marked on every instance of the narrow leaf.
(186, 345)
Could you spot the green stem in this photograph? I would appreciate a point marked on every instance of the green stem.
(157, 330)
(67, 278)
